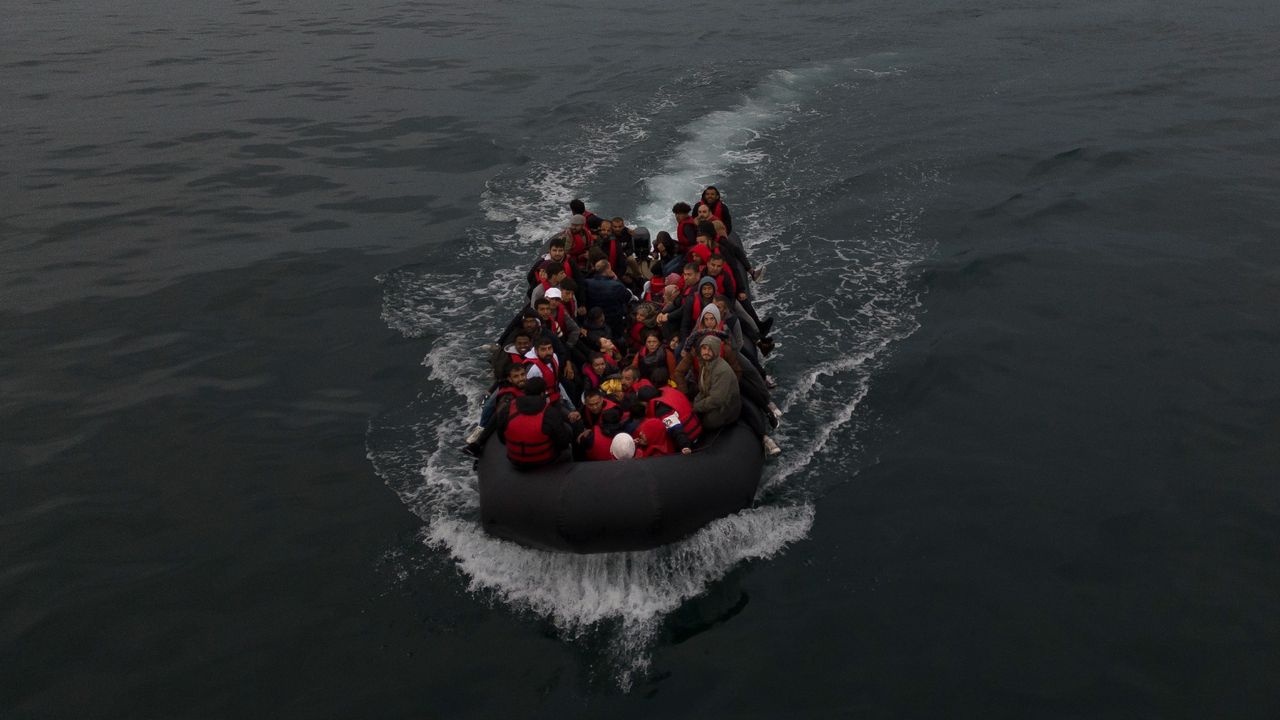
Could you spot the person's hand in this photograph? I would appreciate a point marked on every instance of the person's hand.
(742, 296)
(686, 451)
(568, 370)
(662, 317)
(575, 416)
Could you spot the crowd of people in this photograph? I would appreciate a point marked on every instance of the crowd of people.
(632, 347)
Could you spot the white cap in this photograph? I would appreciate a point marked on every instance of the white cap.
(553, 294)
(623, 447)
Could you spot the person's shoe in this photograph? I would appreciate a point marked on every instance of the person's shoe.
(770, 447)
(766, 346)
(777, 411)
(770, 383)
(765, 326)
(473, 437)
(473, 449)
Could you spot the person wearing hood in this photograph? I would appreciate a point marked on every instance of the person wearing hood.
(719, 401)
(695, 305)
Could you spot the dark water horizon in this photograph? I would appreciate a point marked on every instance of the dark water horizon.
(1023, 259)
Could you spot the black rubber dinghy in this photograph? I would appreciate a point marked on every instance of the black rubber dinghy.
(611, 506)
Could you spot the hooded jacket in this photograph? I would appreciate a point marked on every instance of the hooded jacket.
(719, 401)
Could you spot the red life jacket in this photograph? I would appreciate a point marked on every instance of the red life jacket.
(687, 234)
(684, 414)
(600, 444)
(526, 443)
(613, 253)
(641, 383)
(510, 391)
(655, 294)
(657, 441)
(717, 209)
(550, 374)
(576, 244)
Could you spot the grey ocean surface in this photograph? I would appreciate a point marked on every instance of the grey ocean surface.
(1024, 262)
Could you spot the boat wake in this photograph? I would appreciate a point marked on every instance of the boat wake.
(841, 299)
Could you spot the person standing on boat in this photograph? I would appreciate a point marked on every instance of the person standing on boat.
(605, 291)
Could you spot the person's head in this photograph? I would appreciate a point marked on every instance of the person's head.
(618, 225)
(691, 273)
(567, 288)
(555, 296)
(595, 316)
(577, 207)
(657, 284)
(555, 248)
(622, 447)
(554, 271)
(594, 255)
(543, 308)
(593, 401)
(658, 376)
(715, 264)
(535, 386)
(629, 377)
(708, 228)
(607, 347)
(604, 232)
(707, 289)
(523, 341)
(545, 348)
(709, 348)
(647, 393)
(516, 374)
(531, 323)
(704, 214)
(663, 243)
(652, 341)
(710, 194)
(670, 293)
(603, 267)
(722, 302)
(710, 317)
(577, 223)
(681, 210)
(598, 364)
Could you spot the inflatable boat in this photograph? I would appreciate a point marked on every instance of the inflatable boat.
(620, 505)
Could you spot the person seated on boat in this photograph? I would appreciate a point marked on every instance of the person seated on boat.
(609, 246)
(673, 409)
(653, 440)
(735, 255)
(513, 354)
(544, 364)
(653, 289)
(751, 377)
(654, 355)
(535, 430)
(594, 403)
(666, 257)
(594, 329)
(715, 207)
(577, 238)
(593, 441)
(507, 389)
(686, 227)
(623, 446)
(605, 291)
(702, 249)
(555, 253)
(646, 319)
(734, 285)
(597, 371)
(549, 275)
(631, 382)
(553, 323)
(668, 317)
(718, 401)
(696, 304)
(578, 207)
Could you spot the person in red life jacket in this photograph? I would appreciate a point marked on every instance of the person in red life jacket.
(632, 383)
(544, 364)
(594, 442)
(555, 253)
(594, 403)
(674, 413)
(597, 371)
(504, 391)
(562, 318)
(577, 207)
(653, 355)
(751, 378)
(645, 320)
(534, 430)
(609, 246)
(548, 275)
(702, 251)
(577, 239)
(686, 227)
(727, 285)
(635, 243)
(569, 296)
(696, 304)
(715, 207)
(512, 354)
(652, 440)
